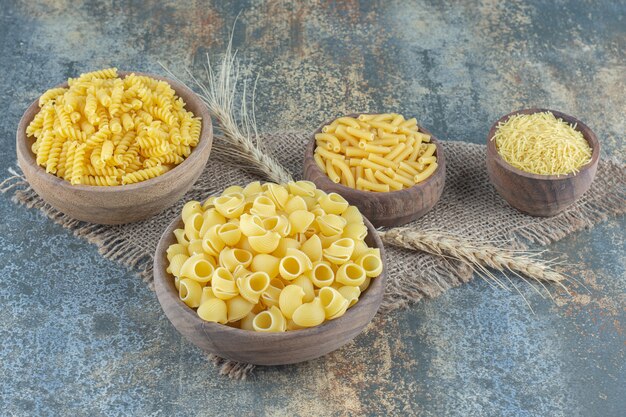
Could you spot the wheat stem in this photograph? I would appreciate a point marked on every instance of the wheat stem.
(477, 255)
(236, 142)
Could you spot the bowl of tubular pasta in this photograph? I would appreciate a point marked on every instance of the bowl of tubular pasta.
(113, 147)
(270, 274)
(389, 167)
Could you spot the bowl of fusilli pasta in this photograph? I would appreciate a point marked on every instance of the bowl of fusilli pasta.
(113, 147)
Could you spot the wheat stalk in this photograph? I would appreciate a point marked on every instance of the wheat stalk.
(236, 142)
(481, 257)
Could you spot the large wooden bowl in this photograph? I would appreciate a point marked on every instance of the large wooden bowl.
(264, 348)
(123, 203)
(393, 208)
(540, 195)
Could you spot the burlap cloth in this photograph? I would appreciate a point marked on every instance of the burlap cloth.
(469, 207)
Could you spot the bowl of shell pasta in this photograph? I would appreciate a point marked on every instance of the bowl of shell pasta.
(270, 274)
(112, 147)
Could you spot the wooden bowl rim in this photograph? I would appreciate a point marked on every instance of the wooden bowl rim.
(588, 134)
(377, 287)
(310, 150)
(206, 139)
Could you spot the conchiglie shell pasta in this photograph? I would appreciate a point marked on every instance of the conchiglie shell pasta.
(211, 242)
(307, 286)
(238, 308)
(233, 189)
(294, 264)
(190, 292)
(263, 206)
(371, 264)
(352, 215)
(214, 310)
(252, 189)
(350, 274)
(207, 293)
(176, 264)
(253, 285)
(271, 295)
(333, 203)
(180, 237)
(335, 304)
(302, 188)
(211, 217)
(285, 244)
(278, 194)
(264, 262)
(331, 224)
(300, 220)
(251, 225)
(230, 233)
(191, 207)
(193, 226)
(266, 243)
(271, 320)
(322, 274)
(355, 231)
(339, 252)
(224, 285)
(198, 267)
(246, 322)
(195, 247)
(290, 299)
(294, 203)
(312, 247)
(231, 205)
(176, 249)
(231, 258)
(278, 224)
(310, 314)
(350, 293)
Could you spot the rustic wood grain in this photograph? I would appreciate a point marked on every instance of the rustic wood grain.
(390, 209)
(264, 348)
(124, 203)
(540, 195)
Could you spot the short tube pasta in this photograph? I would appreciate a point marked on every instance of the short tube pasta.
(271, 257)
(376, 152)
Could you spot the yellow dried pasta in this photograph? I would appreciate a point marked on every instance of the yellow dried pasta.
(540, 143)
(103, 130)
(272, 258)
(375, 152)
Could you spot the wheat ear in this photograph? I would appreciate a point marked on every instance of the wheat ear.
(236, 142)
(479, 256)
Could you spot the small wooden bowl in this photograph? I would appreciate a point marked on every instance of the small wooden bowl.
(264, 348)
(541, 195)
(394, 208)
(123, 203)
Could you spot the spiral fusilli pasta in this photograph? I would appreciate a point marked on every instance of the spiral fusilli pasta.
(103, 130)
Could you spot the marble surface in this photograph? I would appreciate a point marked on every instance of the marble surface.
(80, 335)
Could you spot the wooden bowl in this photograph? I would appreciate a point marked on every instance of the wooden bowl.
(264, 348)
(123, 203)
(393, 208)
(541, 195)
